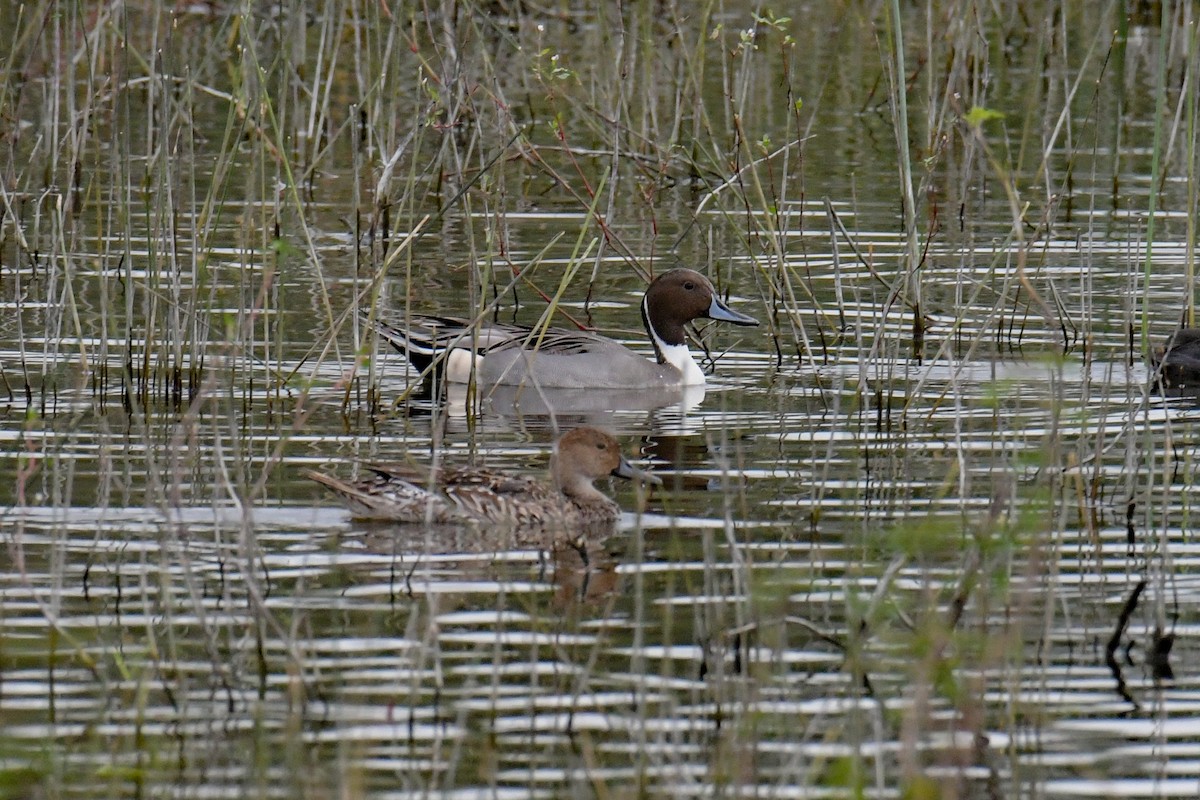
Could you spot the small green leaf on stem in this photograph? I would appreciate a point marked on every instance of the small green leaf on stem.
(979, 115)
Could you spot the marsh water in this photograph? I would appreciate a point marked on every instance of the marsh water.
(958, 567)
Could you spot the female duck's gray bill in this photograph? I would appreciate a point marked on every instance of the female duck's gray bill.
(631, 473)
(719, 311)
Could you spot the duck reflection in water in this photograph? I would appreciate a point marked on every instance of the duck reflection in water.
(583, 572)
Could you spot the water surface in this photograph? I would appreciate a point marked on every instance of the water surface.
(866, 573)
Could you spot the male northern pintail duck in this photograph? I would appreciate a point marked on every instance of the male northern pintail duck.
(510, 355)
(478, 495)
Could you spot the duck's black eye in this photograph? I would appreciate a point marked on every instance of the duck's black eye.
(601, 446)
(689, 285)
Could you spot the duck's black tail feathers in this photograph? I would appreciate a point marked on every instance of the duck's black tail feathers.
(424, 340)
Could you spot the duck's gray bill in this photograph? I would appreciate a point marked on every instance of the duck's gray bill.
(719, 311)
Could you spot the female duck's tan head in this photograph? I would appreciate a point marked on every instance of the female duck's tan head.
(585, 454)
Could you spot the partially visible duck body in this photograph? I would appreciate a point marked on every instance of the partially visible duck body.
(475, 495)
(510, 355)
(1176, 363)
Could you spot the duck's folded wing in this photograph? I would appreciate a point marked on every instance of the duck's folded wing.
(555, 341)
(482, 479)
(427, 336)
(499, 497)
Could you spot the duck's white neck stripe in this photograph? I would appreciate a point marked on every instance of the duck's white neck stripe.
(679, 357)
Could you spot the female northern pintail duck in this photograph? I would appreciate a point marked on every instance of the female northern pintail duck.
(477, 495)
(510, 355)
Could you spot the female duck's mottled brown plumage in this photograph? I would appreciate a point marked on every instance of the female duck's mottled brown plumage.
(477, 495)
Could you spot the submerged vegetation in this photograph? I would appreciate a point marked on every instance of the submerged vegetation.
(928, 535)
